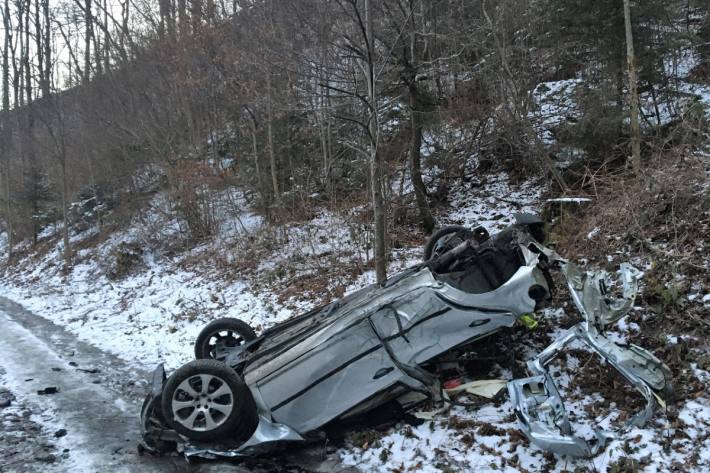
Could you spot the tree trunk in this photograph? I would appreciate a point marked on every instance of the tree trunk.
(183, 27)
(65, 212)
(255, 150)
(106, 53)
(415, 141)
(270, 143)
(26, 54)
(376, 168)
(635, 159)
(415, 170)
(4, 125)
(38, 43)
(47, 84)
(89, 34)
(196, 15)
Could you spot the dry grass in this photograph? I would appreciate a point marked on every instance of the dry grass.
(661, 222)
(666, 211)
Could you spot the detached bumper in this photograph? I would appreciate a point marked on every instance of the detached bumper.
(540, 409)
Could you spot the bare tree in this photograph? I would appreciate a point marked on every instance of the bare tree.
(88, 35)
(635, 157)
(5, 123)
(376, 168)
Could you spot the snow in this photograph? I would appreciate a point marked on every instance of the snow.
(594, 232)
(492, 204)
(556, 105)
(577, 200)
(154, 314)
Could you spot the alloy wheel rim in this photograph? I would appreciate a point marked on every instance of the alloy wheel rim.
(220, 343)
(202, 402)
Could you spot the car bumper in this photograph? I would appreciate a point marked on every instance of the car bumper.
(540, 408)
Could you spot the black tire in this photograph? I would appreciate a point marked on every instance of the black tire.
(237, 333)
(238, 423)
(438, 235)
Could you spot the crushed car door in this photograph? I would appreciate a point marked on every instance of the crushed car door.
(330, 376)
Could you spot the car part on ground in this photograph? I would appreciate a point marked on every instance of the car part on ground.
(536, 399)
(378, 345)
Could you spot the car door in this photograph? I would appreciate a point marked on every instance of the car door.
(336, 370)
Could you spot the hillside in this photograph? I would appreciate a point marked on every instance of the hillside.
(167, 163)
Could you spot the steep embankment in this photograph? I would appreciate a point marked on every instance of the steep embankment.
(263, 275)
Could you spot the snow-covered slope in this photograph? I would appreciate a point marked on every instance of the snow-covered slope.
(154, 313)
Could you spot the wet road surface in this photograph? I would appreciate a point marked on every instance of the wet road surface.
(97, 404)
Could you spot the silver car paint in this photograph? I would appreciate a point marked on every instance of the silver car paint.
(392, 331)
(536, 399)
(383, 344)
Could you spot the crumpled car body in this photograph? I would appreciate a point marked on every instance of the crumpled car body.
(376, 346)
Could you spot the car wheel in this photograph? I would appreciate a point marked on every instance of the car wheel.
(221, 336)
(206, 399)
(439, 237)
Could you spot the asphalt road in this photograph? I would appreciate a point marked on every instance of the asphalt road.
(97, 404)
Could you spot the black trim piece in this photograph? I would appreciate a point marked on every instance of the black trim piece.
(479, 322)
(382, 372)
(324, 377)
(420, 321)
(472, 308)
(415, 372)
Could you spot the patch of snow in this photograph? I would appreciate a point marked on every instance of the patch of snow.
(593, 233)
(570, 199)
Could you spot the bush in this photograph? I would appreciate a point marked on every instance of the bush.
(126, 257)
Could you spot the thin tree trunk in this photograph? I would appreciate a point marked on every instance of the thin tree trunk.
(107, 47)
(4, 125)
(183, 27)
(89, 33)
(65, 213)
(635, 158)
(47, 84)
(415, 170)
(26, 54)
(375, 158)
(255, 150)
(38, 43)
(270, 143)
(415, 141)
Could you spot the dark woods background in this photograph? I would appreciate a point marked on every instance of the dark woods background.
(327, 102)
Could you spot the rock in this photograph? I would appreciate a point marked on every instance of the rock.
(60, 433)
(56, 369)
(90, 370)
(49, 458)
(48, 390)
(6, 398)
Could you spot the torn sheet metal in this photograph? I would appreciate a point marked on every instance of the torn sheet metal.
(536, 400)
(267, 433)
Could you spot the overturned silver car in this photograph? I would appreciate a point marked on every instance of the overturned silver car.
(382, 344)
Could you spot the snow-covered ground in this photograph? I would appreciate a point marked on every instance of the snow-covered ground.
(154, 313)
